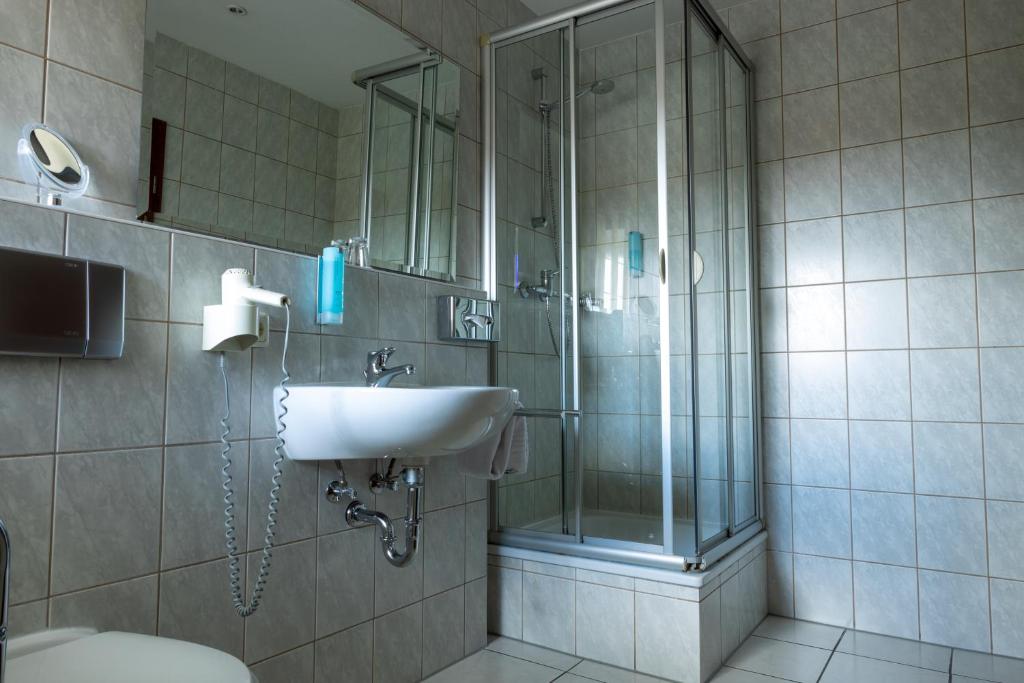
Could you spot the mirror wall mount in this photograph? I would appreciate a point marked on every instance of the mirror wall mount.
(51, 164)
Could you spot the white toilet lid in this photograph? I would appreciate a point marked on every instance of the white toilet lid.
(114, 657)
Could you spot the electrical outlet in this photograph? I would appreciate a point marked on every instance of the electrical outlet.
(264, 331)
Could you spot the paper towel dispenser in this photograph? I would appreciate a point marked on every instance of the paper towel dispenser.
(60, 306)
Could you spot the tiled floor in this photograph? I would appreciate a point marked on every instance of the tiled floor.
(797, 651)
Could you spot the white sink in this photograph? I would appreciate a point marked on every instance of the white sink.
(337, 421)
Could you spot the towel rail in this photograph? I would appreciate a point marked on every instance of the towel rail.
(541, 412)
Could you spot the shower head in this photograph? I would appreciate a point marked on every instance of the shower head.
(601, 87)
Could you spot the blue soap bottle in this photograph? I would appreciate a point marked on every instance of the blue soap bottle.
(330, 308)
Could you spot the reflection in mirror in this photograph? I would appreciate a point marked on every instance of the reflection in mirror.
(51, 164)
(253, 128)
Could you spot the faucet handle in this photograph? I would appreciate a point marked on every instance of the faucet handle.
(379, 358)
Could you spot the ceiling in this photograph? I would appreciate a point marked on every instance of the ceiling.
(312, 46)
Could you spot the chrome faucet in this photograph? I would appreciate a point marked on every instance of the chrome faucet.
(5, 592)
(377, 373)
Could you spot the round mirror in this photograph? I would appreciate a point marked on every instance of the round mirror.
(49, 162)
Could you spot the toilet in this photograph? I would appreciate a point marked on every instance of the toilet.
(84, 655)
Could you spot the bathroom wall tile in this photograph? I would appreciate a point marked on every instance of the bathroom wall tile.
(766, 56)
(285, 618)
(28, 404)
(85, 414)
(821, 521)
(811, 121)
(197, 205)
(873, 246)
(992, 25)
(812, 186)
(1007, 601)
(997, 170)
(668, 637)
(820, 453)
(1001, 394)
(993, 99)
(200, 161)
(881, 456)
(21, 76)
(1001, 313)
(800, 13)
(118, 57)
(930, 31)
(948, 459)
(344, 580)
(778, 510)
(937, 168)
(775, 384)
(126, 606)
(876, 314)
(1005, 523)
(773, 318)
(602, 615)
(444, 617)
(105, 526)
(30, 227)
(193, 516)
(944, 385)
(193, 608)
(999, 243)
(296, 665)
(868, 44)
(940, 240)
(350, 651)
(770, 192)
(814, 252)
(26, 618)
(460, 33)
(444, 560)
(402, 308)
(505, 601)
(872, 178)
(396, 587)
(25, 27)
(942, 312)
(196, 266)
(869, 110)
(883, 527)
(808, 58)
(879, 385)
(398, 646)
(103, 121)
(549, 611)
(1004, 471)
(818, 385)
(303, 367)
(934, 97)
(780, 583)
(886, 599)
(951, 534)
(297, 519)
(195, 400)
(241, 83)
(954, 609)
(25, 500)
(824, 590)
(769, 126)
(776, 443)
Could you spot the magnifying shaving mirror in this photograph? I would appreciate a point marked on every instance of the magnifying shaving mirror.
(49, 162)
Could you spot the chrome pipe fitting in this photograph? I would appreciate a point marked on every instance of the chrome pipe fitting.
(358, 514)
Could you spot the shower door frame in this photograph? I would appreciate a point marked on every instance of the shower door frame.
(712, 549)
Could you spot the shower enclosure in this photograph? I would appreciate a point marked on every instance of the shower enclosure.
(618, 239)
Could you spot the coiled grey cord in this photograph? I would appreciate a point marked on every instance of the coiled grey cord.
(230, 533)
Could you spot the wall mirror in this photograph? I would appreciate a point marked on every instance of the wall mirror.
(295, 124)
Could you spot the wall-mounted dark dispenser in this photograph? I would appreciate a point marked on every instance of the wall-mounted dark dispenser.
(60, 306)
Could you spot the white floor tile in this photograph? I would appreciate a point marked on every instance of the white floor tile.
(898, 650)
(778, 658)
(494, 667)
(729, 675)
(533, 653)
(988, 667)
(610, 674)
(844, 668)
(800, 632)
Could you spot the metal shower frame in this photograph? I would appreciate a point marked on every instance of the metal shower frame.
(574, 542)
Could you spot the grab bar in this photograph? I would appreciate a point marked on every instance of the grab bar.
(5, 587)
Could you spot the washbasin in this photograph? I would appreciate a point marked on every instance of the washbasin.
(339, 421)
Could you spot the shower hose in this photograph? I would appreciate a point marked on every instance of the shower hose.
(243, 608)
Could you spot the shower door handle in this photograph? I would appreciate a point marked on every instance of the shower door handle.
(661, 265)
